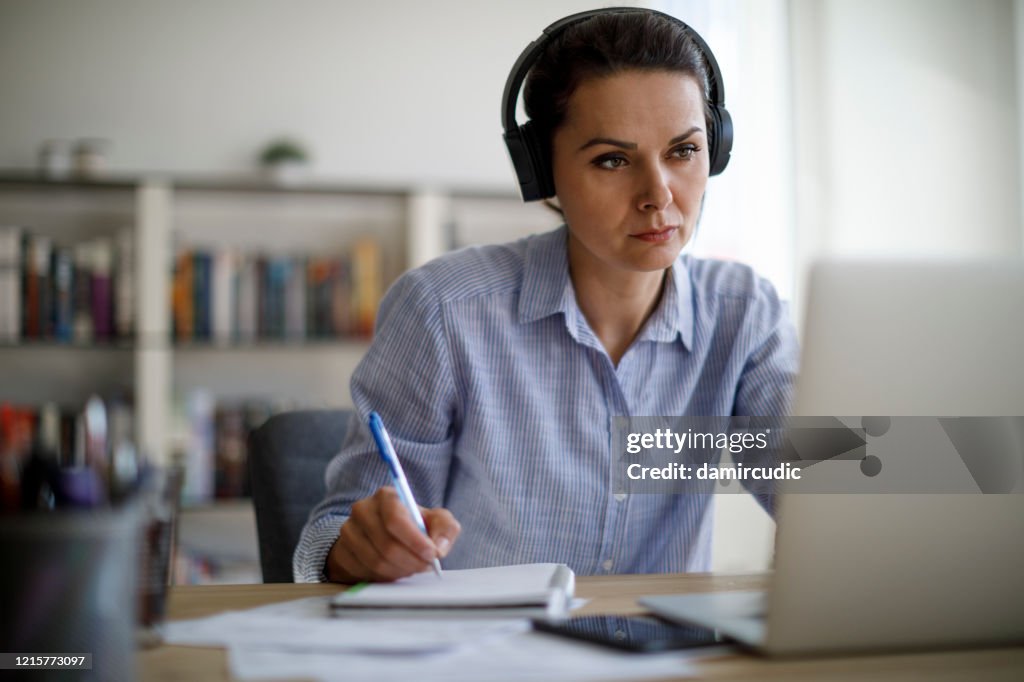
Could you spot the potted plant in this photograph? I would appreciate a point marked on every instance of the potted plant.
(285, 161)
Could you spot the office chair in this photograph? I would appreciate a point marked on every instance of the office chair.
(287, 458)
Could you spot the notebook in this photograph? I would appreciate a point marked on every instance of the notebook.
(519, 591)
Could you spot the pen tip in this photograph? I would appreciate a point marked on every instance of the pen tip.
(437, 568)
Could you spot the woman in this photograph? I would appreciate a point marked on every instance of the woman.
(498, 369)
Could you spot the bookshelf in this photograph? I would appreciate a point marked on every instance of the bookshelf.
(156, 371)
(165, 214)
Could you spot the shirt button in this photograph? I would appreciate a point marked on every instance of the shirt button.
(619, 497)
(620, 635)
(607, 565)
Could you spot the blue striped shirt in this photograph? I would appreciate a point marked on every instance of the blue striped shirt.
(499, 399)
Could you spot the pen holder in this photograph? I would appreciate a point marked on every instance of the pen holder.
(68, 586)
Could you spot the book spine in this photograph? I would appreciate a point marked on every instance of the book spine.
(366, 284)
(248, 314)
(82, 323)
(280, 269)
(102, 291)
(124, 283)
(201, 294)
(231, 457)
(63, 294)
(340, 299)
(30, 287)
(236, 297)
(10, 284)
(35, 310)
(183, 301)
(43, 257)
(223, 295)
(295, 299)
(199, 455)
(316, 275)
(262, 300)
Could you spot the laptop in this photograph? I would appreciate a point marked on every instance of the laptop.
(873, 573)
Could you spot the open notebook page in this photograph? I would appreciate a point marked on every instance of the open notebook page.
(523, 584)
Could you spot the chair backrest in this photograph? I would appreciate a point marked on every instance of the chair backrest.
(287, 458)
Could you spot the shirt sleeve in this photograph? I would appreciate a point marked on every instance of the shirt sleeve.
(765, 387)
(406, 376)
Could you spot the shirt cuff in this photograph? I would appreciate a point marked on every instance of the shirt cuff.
(309, 562)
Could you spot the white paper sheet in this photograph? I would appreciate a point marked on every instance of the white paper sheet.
(298, 639)
(304, 625)
(523, 657)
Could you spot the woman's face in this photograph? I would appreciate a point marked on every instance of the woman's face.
(630, 164)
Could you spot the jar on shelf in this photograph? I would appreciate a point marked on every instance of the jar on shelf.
(91, 157)
(55, 159)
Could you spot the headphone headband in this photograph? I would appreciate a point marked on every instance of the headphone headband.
(528, 152)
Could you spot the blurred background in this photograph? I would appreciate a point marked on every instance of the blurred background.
(201, 203)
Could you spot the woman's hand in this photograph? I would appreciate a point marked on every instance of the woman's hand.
(381, 542)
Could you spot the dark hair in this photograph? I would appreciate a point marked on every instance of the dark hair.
(604, 45)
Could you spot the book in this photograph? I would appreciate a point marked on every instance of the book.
(124, 284)
(295, 302)
(199, 454)
(366, 285)
(246, 316)
(517, 591)
(182, 299)
(81, 294)
(223, 294)
(339, 299)
(201, 300)
(102, 290)
(278, 272)
(63, 297)
(36, 272)
(231, 472)
(10, 284)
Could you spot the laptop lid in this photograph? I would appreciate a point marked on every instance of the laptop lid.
(897, 571)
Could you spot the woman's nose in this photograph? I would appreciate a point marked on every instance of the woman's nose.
(655, 193)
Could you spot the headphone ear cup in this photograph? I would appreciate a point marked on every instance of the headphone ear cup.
(530, 161)
(522, 163)
(720, 146)
(537, 145)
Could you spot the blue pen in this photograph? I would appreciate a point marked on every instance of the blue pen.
(387, 453)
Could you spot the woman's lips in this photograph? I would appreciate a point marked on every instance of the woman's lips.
(656, 236)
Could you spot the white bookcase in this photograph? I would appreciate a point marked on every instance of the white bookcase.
(413, 225)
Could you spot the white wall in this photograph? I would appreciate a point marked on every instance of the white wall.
(1018, 12)
(909, 127)
(397, 91)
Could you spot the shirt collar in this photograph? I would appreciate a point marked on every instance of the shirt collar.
(674, 315)
(547, 290)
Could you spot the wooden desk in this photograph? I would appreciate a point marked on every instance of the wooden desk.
(614, 594)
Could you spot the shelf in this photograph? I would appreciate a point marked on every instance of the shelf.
(33, 179)
(254, 182)
(47, 345)
(274, 345)
(269, 345)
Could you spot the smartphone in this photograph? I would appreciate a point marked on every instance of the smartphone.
(632, 633)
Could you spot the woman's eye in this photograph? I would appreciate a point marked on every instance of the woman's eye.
(609, 162)
(685, 151)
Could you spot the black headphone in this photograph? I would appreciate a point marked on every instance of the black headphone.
(529, 152)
